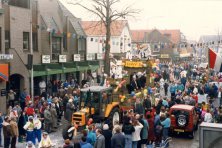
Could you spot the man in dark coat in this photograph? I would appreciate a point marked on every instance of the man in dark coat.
(147, 103)
(7, 132)
(118, 139)
(108, 135)
(48, 119)
(70, 108)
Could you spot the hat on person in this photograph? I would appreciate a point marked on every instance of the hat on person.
(44, 133)
(105, 127)
(29, 143)
(30, 117)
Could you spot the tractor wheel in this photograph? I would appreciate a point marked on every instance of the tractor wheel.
(68, 132)
(114, 116)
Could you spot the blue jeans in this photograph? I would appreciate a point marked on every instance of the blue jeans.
(30, 136)
(135, 144)
(128, 141)
(38, 134)
(165, 135)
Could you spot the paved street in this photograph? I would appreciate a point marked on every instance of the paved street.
(179, 141)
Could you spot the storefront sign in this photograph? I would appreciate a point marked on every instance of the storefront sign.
(6, 56)
(4, 72)
(100, 56)
(62, 58)
(3, 92)
(133, 64)
(76, 57)
(89, 57)
(164, 56)
(45, 59)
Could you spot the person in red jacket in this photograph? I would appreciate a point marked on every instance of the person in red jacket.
(29, 110)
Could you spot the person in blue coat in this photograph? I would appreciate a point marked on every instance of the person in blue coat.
(85, 144)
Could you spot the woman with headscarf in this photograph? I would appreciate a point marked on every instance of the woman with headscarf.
(45, 141)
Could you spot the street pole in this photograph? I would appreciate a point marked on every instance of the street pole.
(31, 51)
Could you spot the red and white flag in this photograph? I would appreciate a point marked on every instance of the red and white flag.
(215, 61)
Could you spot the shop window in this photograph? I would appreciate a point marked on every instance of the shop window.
(7, 39)
(56, 47)
(25, 40)
(91, 39)
(156, 48)
(96, 40)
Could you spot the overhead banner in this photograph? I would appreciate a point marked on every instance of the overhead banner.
(4, 72)
(133, 64)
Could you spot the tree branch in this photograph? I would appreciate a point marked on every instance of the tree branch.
(100, 15)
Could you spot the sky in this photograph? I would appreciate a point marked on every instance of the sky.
(193, 17)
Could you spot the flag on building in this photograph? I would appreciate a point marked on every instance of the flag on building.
(215, 61)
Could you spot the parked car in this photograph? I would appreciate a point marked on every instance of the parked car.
(184, 119)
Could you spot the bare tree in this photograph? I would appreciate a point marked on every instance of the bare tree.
(105, 10)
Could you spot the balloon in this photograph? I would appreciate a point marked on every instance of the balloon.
(132, 93)
(120, 96)
(123, 97)
(138, 94)
(145, 91)
(122, 100)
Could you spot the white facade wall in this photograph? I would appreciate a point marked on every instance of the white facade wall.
(119, 44)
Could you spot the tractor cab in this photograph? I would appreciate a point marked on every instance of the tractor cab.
(95, 102)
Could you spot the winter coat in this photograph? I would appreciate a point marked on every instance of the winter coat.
(7, 130)
(108, 135)
(47, 116)
(139, 108)
(1, 121)
(118, 141)
(128, 129)
(54, 116)
(86, 145)
(144, 131)
(69, 111)
(29, 126)
(147, 103)
(14, 127)
(45, 142)
(22, 121)
(100, 142)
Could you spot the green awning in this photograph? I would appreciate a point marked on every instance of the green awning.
(39, 70)
(82, 68)
(93, 67)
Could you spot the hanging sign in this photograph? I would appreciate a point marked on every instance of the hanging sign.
(100, 56)
(6, 56)
(76, 57)
(45, 59)
(4, 72)
(62, 58)
(89, 57)
(133, 64)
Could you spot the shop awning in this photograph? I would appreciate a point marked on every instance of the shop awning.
(69, 67)
(4, 72)
(58, 68)
(39, 70)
